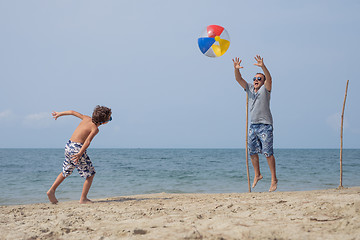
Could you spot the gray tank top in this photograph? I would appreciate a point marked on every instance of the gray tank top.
(259, 105)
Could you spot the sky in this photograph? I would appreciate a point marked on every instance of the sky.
(141, 59)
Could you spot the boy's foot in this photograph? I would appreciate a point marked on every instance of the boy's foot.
(85, 201)
(256, 179)
(51, 196)
(273, 186)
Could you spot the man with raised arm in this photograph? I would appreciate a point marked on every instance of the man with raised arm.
(261, 125)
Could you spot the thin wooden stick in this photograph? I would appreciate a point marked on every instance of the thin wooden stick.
(341, 135)
(246, 145)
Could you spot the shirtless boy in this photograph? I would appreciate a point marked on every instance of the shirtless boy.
(75, 149)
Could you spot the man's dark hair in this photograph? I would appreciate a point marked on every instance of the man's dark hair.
(101, 114)
(263, 75)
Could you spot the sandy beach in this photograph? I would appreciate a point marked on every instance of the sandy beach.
(320, 214)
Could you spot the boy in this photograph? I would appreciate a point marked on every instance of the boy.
(261, 128)
(75, 149)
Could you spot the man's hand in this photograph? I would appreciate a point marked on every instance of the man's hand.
(260, 63)
(259, 60)
(237, 62)
(238, 76)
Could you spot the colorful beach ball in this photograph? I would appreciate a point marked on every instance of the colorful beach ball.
(214, 41)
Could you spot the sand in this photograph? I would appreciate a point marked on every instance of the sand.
(323, 214)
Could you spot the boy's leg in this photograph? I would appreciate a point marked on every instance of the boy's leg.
(271, 162)
(86, 188)
(256, 165)
(51, 193)
(68, 168)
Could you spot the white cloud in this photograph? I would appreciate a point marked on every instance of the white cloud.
(38, 120)
(38, 116)
(7, 114)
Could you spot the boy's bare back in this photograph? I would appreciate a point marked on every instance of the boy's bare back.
(85, 128)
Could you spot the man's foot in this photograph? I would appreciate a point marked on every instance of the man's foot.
(85, 201)
(256, 179)
(273, 186)
(51, 196)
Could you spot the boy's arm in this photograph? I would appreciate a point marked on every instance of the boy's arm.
(260, 63)
(71, 112)
(86, 144)
(238, 76)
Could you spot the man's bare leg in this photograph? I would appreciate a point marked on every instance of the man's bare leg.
(256, 165)
(51, 193)
(85, 191)
(271, 162)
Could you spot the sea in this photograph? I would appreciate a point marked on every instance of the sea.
(27, 174)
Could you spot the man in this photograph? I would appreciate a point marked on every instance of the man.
(261, 128)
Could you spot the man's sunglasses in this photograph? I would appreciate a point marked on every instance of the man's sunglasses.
(257, 78)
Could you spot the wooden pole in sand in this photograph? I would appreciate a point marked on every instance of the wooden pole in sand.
(341, 134)
(246, 145)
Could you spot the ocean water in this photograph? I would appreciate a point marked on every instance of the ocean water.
(26, 174)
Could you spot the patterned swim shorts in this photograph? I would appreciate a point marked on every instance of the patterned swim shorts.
(261, 139)
(84, 165)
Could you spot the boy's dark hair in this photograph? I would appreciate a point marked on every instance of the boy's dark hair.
(101, 114)
(263, 75)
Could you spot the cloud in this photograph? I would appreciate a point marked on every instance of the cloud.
(6, 115)
(38, 120)
(38, 116)
(334, 121)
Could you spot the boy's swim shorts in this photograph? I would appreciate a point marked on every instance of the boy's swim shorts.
(84, 165)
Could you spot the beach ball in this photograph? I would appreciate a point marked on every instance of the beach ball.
(214, 41)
